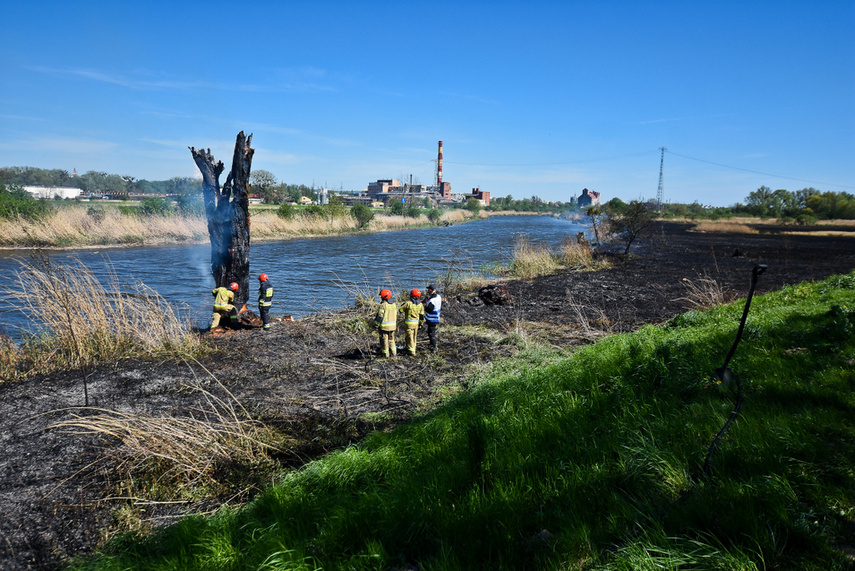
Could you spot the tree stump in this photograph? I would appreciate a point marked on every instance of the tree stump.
(227, 211)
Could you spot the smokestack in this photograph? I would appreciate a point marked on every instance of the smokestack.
(439, 167)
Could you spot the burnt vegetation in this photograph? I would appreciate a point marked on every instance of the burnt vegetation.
(73, 477)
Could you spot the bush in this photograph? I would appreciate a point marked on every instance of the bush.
(412, 212)
(96, 213)
(286, 211)
(155, 206)
(473, 206)
(15, 201)
(434, 215)
(362, 214)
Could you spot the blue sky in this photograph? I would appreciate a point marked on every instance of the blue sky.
(529, 98)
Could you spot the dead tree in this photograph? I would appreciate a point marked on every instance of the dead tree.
(227, 211)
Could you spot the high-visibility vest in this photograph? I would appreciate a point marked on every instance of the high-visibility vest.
(387, 316)
(222, 297)
(413, 313)
(432, 308)
(265, 294)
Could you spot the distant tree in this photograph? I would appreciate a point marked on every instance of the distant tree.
(596, 220)
(616, 206)
(473, 205)
(362, 214)
(396, 207)
(263, 183)
(635, 220)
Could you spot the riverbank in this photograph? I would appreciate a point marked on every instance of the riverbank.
(316, 385)
(82, 226)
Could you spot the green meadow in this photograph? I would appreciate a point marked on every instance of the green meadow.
(590, 459)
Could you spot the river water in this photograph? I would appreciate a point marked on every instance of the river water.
(309, 275)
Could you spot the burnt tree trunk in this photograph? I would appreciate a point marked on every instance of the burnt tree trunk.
(227, 211)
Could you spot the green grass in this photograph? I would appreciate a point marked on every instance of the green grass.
(587, 461)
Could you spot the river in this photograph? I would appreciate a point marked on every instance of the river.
(309, 275)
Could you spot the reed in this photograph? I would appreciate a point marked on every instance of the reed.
(730, 227)
(169, 457)
(530, 260)
(81, 322)
(79, 226)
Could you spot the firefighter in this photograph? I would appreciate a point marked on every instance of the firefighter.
(433, 304)
(414, 314)
(386, 322)
(265, 299)
(223, 298)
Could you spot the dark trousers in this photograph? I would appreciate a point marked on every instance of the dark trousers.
(264, 312)
(431, 331)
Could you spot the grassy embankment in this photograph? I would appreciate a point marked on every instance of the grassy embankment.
(585, 460)
(77, 226)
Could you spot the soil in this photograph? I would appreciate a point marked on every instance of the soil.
(317, 379)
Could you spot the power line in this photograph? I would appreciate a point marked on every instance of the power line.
(759, 172)
(549, 163)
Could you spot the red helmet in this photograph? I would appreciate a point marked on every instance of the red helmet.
(385, 294)
(262, 278)
(415, 292)
(234, 286)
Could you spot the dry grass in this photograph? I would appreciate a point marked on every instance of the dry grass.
(82, 323)
(73, 226)
(531, 260)
(724, 226)
(167, 457)
(704, 292)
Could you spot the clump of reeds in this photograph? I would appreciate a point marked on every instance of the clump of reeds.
(81, 226)
(730, 227)
(81, 322)
(704, 292)
(171, 455)
(532, 259)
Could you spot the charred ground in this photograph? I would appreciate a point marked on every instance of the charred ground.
(318, 381)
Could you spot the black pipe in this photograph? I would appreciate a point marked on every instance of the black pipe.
(724, 375)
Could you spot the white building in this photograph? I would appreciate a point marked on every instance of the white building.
(49, 192)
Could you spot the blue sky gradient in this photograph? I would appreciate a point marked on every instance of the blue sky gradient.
(529, 98)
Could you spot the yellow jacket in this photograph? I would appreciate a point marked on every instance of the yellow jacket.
(387, 316)
(222, 296)
(414, 313)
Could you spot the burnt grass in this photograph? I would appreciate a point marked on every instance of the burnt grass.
(318, 383)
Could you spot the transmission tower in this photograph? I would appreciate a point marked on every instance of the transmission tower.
(661, 169)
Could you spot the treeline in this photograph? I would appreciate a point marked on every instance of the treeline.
(805, 205)
(97, 182)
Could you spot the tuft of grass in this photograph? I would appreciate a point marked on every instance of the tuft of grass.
(169, 457)
(705, 292)
(592, 460)
(81, 323)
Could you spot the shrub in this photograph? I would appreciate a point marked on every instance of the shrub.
(362, 214)
(286, 211)
(434, 215)
(412, 212)
(15, 201)
(155, 206)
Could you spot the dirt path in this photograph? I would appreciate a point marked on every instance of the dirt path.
(317, 377)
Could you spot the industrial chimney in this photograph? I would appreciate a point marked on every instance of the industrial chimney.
(439, 168)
